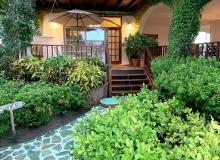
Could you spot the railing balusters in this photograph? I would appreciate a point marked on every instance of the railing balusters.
(218, 48)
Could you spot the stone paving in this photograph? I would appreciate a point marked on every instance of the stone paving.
(54, 145)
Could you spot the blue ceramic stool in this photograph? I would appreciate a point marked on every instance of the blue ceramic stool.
(109, 102)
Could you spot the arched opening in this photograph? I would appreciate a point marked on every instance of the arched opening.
(210, 22)
(155, 23)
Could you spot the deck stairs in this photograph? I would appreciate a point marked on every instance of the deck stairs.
(125, 80)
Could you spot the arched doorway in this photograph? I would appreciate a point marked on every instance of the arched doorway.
(210, 21)
(156, 22)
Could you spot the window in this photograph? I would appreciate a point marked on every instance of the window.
(202, 37)
(92, 36)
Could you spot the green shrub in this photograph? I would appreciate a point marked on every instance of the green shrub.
(28, 68)
(193, 81)
(55, 69)
(141, 127)
(38, 105)
(42, 100)
(88, 76)
(95, 61)
(134, 44)
(4, 123)
(67, 98)
(8, 90)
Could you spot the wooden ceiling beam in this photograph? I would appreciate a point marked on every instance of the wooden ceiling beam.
(43, 2)
(82, 3)
(133, 3)
(69, 2)
(117, 5)
(95, 4)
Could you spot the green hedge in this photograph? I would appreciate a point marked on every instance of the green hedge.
(41, 101)
(141, 127)
(4, 123)
(55, 70)
(193, 81)
(88, 72)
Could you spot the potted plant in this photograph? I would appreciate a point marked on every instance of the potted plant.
(134, 46)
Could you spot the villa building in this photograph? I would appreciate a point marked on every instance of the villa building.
(154, 22)
(104, 40)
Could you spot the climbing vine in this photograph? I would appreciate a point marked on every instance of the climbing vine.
(17, 29)
(185, 25)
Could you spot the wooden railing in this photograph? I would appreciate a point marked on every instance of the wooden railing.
(207, 49)
(49, 51)
(158, 51)
(202, 49)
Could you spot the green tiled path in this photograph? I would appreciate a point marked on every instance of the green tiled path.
(52, 146)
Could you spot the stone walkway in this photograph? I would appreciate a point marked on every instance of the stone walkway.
(52, 146)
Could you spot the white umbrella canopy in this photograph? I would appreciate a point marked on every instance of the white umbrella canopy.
(77, 18)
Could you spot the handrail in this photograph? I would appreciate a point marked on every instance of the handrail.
(75, 51)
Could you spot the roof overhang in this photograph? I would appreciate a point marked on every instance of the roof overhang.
(94, 5)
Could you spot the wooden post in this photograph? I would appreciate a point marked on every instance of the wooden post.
(14, 138)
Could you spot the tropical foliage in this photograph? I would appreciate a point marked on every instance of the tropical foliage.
(88, 76)
(18, 28)
(193, 81)
(42, 85)
(134, 44)
(142, 127)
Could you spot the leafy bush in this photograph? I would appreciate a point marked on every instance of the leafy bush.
(86, 75)
(67, 98)
(141, 127)
(28, 68)
(55, 69)
(38, 105)
(8, 90)
(193, 81)
(42, 100)
(134, 44)
(4, 123)
(95, 61)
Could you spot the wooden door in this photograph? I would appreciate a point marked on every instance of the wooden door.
(114, 44)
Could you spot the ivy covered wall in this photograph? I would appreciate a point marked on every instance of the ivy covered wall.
(17, 28)
(185, 24)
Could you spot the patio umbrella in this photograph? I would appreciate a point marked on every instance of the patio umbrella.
(78, 18)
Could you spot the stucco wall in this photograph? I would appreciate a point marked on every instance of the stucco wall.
(161, 30)
(215, 31)
(129, 26)
(51, 33)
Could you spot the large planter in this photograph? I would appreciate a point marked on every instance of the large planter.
(96, 95)
(136, 62)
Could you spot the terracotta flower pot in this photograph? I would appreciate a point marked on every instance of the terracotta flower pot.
(136, 62)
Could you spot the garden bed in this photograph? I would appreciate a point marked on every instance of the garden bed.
(25, 134)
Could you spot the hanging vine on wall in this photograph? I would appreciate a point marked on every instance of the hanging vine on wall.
(17, 29)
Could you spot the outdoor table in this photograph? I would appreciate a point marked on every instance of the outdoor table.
(109, 102)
